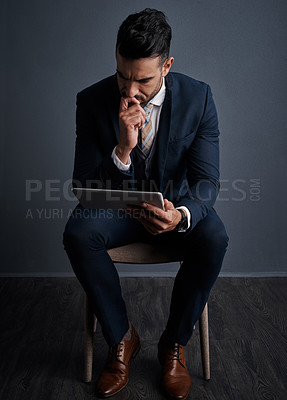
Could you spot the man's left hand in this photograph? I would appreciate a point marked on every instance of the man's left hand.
(156, 220)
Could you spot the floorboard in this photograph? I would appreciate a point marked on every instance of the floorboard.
(41, 340)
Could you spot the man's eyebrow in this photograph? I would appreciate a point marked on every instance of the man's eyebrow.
(139, 80)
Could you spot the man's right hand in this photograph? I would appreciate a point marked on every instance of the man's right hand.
(131, 118)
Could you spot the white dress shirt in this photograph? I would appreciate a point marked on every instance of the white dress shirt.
(157, 102)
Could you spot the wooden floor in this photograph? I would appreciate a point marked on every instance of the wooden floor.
(41, 346)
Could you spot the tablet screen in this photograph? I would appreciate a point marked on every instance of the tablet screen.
(116, 199)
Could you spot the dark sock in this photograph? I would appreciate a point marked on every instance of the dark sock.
(128, 333)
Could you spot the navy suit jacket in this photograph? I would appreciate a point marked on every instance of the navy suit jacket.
(186, 162)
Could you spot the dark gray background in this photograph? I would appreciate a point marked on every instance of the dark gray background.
(53, 49)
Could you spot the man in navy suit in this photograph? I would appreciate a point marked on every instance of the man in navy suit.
(147, 128)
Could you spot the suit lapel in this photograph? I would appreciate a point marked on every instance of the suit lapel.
(113, 107)
(163, 134)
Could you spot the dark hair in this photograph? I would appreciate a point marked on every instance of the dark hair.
(144, 34)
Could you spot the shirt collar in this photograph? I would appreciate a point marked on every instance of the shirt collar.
(158, 99)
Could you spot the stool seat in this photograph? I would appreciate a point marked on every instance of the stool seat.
(142, 253)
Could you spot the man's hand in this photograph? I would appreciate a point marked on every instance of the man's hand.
(156, 220)
(131, 118)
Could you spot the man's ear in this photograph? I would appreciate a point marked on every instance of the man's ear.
(166, 66)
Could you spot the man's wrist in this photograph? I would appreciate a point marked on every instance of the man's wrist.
(186, 225)
(119, 164)
(182, 225)
(123, 155)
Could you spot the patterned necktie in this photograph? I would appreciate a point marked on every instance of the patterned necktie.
(147, 133)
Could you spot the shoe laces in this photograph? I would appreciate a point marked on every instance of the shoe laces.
(176, 353)
(115, 353)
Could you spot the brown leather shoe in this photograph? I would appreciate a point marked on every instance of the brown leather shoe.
(115, 374)
(175, 377)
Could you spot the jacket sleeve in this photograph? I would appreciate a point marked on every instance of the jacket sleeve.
(203, 164)
(93, 164)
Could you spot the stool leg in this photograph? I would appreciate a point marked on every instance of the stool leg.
(204, 343)
(90, 328)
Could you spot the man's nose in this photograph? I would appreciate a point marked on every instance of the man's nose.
(131, 89)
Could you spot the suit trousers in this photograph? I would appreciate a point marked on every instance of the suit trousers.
(88, 235)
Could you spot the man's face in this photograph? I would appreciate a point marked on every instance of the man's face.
(141, 78)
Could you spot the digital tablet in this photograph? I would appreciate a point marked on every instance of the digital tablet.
(116, 199)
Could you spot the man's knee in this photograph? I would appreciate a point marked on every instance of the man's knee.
(212, 234)
(80, 230)
(72, 233)
(217, 238)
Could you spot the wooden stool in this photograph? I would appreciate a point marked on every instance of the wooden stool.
(142, 253)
